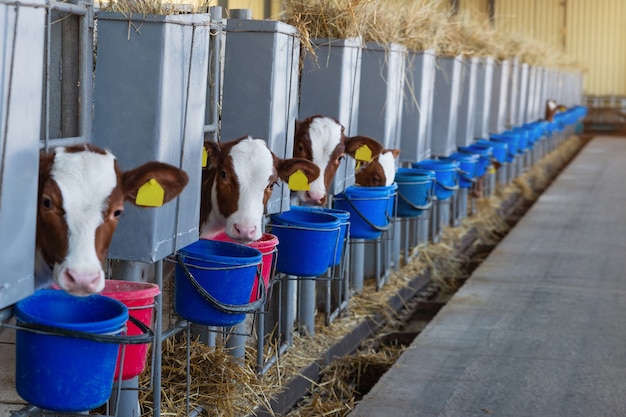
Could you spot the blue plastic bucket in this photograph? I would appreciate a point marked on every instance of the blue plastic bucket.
(446, 173)
(468, 164)
(307, 241)
(416, 189)
(512, 145)
(344, 221)
(484, 152)
(523, 138)
(499, 150)
(214, 282)
(370, 209)
(62, 373)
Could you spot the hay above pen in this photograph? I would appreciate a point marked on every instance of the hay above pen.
(412, 24)
(155, 7)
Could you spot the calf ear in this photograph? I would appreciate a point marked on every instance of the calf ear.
(214, 152)
(355, 142)
(173, 180)
(286, 167)
(395, 152)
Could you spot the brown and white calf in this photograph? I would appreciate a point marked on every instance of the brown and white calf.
(380, 171)
(321, 139)
(238, 182)
(552, 108)
(81, 198)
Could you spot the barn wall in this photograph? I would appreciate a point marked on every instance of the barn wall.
(596, 36)
(592, 32)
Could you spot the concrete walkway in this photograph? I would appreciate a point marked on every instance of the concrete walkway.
(539, 329)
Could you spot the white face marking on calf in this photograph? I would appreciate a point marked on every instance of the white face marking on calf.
(325, 135)
(254, 165)
(388, 163)
(86, 180)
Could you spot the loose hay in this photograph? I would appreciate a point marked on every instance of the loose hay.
(221, 384)
(345, 380)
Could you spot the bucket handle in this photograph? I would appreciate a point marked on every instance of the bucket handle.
(224, 307)
(415, 206)
(366, 220)
(449, 187)
(147, 336)
(466, 176)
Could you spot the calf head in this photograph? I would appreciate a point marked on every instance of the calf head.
(237, 184)
(321, 139)
(380, 171)
(551, 109)
(81, 198)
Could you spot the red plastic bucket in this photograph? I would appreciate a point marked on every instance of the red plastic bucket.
(267, 246)
(139, 298)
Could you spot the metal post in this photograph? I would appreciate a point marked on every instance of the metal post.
(396, 243)
(306, 306)
(406, 239)
(502, 174)
(288, 299)
(462, 197)
(236, 341)
(444, 216)
(158, 342)
(128, 401)
(434, 222)
(423, 224)
(357, 262)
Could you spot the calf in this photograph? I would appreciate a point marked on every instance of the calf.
(80, 200)
(321, 139)
(380, 171)
(237, 184)
(552, 108)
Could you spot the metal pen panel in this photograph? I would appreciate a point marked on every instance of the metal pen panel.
(446, 104)
(153, 108)
(380, 97)
(532, 92)
(21, 92)
(330, 86)
(484, 85)
(523, 94)
(417, 107)
(499, 95)
(260, 89)
(514, 94)
(467, 102)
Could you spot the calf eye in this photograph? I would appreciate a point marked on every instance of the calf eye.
(117, 213)
(46, 202)
(223, 174)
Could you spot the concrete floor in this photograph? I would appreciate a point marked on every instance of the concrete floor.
(539, 329)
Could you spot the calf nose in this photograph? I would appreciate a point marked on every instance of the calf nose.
(244, 233)
(315, 197)
(81, 283)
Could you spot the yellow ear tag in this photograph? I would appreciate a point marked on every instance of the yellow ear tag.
(491, 169)
(298, 181)
(151, 194)
(205, 157)
(364, 153)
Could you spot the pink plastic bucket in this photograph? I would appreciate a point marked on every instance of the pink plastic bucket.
(267, 246)
(139, 298)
